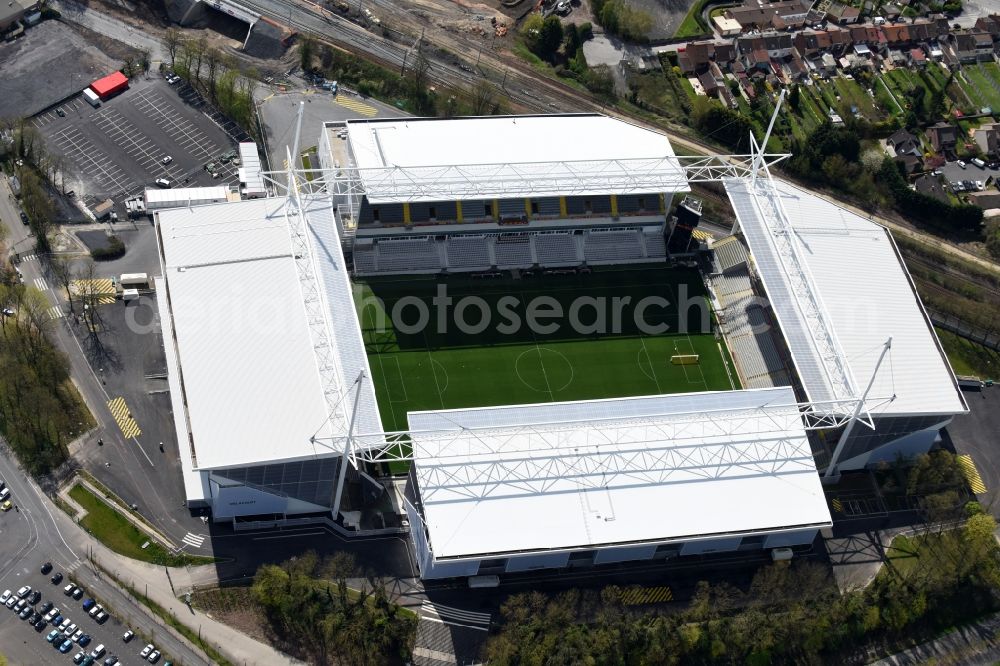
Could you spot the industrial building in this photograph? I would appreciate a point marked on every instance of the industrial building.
(277, 415)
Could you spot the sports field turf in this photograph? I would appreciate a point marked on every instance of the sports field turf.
(437, 366)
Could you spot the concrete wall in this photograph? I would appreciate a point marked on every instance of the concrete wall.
(609, 555)
(711, 546)
(537, 561)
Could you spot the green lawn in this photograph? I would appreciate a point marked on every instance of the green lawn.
(984, 79)
(691, 25)
(853, 94)
(114, 531)
(440, 367)
(968, 358)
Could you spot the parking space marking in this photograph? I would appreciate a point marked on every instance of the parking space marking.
(123, 417)
(180, 129)
(194, 540)
(133, 142)
(355, 105)
(92, 161)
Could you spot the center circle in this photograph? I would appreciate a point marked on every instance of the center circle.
(544, 370)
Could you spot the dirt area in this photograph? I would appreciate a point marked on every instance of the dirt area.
(236, 607)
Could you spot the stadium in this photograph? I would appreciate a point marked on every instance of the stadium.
(506, 336)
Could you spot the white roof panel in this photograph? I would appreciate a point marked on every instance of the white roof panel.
(866, 293)
(614, 471)
(510, 156)
(252, 390)
(182, 195)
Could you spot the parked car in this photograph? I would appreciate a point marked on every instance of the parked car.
(66, 645)
(5, 596)
(26, 612)
(77, 593)
(46, 607)
(162, 182)
(76, 636)
(961, 164)
(51, 636)
(23, 592)
(95, 610)
(101, 617)
(167, 160)
(51, 614)
(56, 579)
(79, 656)
(88, 604)
(70, 630)
(68, 590)
(153, 657)
(11, 601)
(146, 650)
(46, 568)
(40, 625)
(111, 661)
(60, 112)
(128, 635)
(84, 641)
(24, 218)
(97, 652)
(34, 597)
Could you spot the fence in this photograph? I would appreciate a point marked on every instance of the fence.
(989, 338)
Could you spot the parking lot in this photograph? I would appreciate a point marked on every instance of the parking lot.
(71, 625)
(151, 131)
(952, 173)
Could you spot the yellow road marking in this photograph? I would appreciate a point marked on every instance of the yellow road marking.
(123, 417)
(838, 506)
(971, 474)
(637, 596)
(355, 105)
(102, 289)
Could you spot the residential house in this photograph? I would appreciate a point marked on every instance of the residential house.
(894, 34)
(931, 186)
(990, 24)
(697, 55)
(775, 44)
(843, 13)
(904, 143)
(943, 137)
(971, 46)
(770, 15)
(921, 30)
(985, 200)
(727, 27)
(941, 26)
(987, 137)
(917, 57)
(933, 51)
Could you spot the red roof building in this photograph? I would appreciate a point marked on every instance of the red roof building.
(111, 84)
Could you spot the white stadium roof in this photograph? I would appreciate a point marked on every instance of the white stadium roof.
(430, 159)
(615, 471)
(865, 295)
(248, 373)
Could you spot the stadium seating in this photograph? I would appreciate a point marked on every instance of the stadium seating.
(364, 260)
(408, 255)
(513, 250)
(558, 249)
(609, 247)
(656, 245)
(471, 252)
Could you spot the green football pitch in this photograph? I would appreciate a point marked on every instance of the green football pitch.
(627, 328)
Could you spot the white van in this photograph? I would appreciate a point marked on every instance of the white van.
(978, 162)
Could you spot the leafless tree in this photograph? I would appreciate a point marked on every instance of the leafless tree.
(172, 40)
(212, 60)
(61, 268)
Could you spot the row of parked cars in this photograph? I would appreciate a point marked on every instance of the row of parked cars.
(65, 634)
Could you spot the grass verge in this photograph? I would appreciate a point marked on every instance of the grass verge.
(117, 533)
(967, 357)
(692, 25)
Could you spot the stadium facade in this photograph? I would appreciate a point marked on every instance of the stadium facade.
(271, 387)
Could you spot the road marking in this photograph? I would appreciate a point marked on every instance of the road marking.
(447, 612)
(29, 257)
(194, 540)
(123, 417)
(55, 312)
(40, 284)
(102, 290)
(355, 105)
(971, 474)
(639, 596)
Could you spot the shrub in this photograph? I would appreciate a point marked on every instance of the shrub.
(114, 250)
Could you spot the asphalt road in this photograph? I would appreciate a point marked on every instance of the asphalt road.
(38, 532)
(975, 433)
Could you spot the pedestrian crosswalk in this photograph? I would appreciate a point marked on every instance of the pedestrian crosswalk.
(123, 417)
(193, 540)
(41, 284)
(447, 613)
(55, 312)
(28, 257)
(355, 105)
(73, 567)
(638, 596)
(971, 474)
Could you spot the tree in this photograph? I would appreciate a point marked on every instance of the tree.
(485, 101)
(551, 37)
(307, 49)
(212, 60)
(795, 98)
(172, 40)
(61, 269)
(39, 208)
